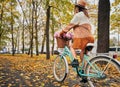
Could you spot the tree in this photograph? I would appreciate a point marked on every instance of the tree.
(115, 20)
(23, 38)
(4, 19)
(36, 30)
(14, 15)
(103, 26)
(31, 46)
(8, 17)
(47, 33)
(13, 49)
(60, 16)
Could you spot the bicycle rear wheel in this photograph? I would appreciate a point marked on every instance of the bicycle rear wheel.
(60, 68)
(110, 72)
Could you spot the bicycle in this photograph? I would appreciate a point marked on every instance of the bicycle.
(100, 70)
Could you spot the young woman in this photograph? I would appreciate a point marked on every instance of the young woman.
(81, 27)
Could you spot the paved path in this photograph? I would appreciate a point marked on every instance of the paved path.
(15, 72)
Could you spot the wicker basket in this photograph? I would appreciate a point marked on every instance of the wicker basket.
(61, 43)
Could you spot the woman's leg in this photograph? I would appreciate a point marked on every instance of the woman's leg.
(73, 51)
(83, 52)
(75, 62)
(81, 55)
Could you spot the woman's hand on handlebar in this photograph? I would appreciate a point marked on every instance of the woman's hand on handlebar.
(62, 33)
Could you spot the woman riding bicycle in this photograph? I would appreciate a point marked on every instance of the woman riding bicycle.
(98, 71)
(81, 27)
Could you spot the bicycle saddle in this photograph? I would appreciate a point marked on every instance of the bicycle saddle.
(89, 46)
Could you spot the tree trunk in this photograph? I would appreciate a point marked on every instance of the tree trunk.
(53, 23)
(33, 3)
(53, 46)
(103, 26)
(47, 33)
(23, 45)
(43, 42)
(13, 49)
(1, 16)
(36, 30)
(29, 49)
(18, 40)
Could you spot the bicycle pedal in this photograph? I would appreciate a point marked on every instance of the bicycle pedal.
(84, 80)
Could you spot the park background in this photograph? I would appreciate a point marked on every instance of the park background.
(27, 42)
(26, 25)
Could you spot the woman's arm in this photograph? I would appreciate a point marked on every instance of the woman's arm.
(68, 27)
(75, 21)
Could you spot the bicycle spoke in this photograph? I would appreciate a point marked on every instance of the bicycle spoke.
(106, 67)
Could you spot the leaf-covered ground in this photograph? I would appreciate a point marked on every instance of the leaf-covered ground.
(24, 71)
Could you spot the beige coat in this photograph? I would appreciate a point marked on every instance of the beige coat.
(82, 31)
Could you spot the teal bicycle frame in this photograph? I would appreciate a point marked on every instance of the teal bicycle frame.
(67, 52)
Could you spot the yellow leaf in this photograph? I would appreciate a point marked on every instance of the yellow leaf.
(50, 76)
(42, 84)
(64, 86)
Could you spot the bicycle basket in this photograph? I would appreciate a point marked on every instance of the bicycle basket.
(61, 43)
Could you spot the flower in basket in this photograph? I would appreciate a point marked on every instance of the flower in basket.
(57, 34)
(66, 36)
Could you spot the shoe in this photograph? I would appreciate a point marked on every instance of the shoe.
(84, 80)
(75, 63)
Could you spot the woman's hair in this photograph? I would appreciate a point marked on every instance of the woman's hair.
(83, 9)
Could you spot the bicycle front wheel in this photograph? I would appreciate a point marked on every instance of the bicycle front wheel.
(60, 68)
(107, 71)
